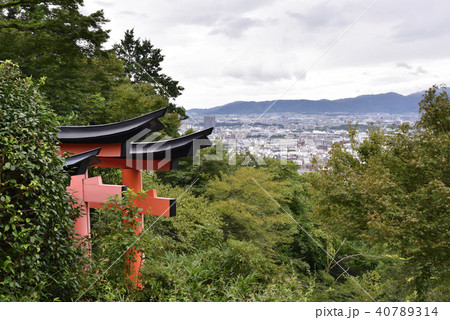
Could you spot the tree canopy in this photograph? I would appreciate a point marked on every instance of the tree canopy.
(53, 39)
(143, 64)
(86, 83)
(393, 193)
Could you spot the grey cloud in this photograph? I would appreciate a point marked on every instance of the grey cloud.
(403, 65)
(324, 15)
(226, 17)
(202, 19)
(407, 32)
(260, 72)
(390, 32)
(420, 70)
(414, 21)
(212, 13)
(260, 40)
(234, 28)
(416, 71)
(127, 13)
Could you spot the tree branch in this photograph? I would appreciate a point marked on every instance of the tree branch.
(13, 3)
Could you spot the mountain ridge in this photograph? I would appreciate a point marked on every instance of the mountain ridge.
(389, 102)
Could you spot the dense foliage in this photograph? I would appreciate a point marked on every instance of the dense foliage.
(143, 64)
(198, 257)
(370, 225)
(38, 259)
(85, 83)
(54, 39)
(393, 194)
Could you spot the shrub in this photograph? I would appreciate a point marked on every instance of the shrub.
(38, 258)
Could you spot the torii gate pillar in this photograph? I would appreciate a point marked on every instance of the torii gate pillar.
(133, 179)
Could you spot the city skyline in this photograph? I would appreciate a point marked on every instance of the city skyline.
(290, 136)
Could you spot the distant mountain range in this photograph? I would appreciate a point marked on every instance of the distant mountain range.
(376, 103)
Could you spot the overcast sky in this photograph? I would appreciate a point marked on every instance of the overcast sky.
(253, 50)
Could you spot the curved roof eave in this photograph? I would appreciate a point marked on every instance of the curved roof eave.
(171, 149)
(78, 164)
(112, 132)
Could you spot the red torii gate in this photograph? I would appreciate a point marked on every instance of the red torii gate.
(113, 146)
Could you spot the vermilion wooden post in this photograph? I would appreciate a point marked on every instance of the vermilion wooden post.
(82, 223)
(133, 179)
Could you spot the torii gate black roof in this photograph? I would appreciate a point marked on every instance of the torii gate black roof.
(112, 132)
(126, 133)
(79, 163)
(171, 149)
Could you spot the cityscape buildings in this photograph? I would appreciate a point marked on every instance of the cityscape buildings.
(292, 136)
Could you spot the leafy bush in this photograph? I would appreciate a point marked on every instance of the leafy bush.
(393, 193)
(38, 258)
(105, 276)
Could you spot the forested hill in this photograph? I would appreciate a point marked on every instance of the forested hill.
(387, 102)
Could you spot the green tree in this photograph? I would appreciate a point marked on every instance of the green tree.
(393, 193)
(143, 65)
(189, 259)
(132, 100)
(213, 162)
(249, 214)
(109, 241)
(54, 39)
(38, 257)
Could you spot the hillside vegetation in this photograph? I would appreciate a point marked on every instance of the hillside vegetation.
(370, 225)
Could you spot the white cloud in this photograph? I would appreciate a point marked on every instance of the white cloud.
(228, 50)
